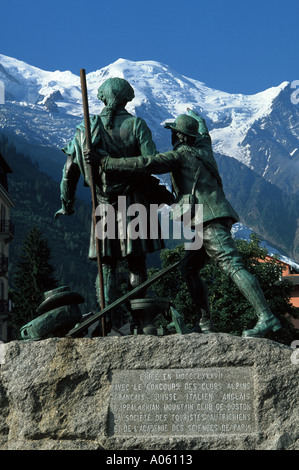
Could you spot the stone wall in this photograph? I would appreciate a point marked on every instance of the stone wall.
(190, 392)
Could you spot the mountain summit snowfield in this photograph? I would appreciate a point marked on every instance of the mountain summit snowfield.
(44, 107)
(260, 132)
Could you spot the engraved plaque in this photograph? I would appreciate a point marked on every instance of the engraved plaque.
(182, 402)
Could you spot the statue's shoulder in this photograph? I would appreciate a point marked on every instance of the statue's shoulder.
(184, 150)
(139, 124)
(139, 120)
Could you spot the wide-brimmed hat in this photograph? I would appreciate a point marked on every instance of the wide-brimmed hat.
(59, 297)
(184, 124)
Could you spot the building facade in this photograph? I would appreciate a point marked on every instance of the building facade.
(292, 274)
(6, 237)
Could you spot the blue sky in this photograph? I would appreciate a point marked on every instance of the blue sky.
(235, 46)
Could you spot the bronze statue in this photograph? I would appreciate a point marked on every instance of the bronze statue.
(115, 132)
(192, 149)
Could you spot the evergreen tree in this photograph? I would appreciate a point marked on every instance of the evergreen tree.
(33, 276)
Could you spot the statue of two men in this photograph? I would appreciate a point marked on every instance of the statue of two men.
(127, 156)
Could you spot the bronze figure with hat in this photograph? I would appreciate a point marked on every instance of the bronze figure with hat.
(192, 154)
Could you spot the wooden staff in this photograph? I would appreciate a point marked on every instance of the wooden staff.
(93, 191)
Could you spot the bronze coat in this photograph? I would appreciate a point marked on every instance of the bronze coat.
(130, 136)
(183, 163)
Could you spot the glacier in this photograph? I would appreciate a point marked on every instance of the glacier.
(161, 94)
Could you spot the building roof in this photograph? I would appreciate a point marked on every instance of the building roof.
(291, 265)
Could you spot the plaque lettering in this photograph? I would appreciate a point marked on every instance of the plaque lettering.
(182, 402)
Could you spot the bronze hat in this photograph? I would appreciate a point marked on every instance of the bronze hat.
(184, 124)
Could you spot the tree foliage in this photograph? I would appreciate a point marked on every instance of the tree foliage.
(231, 313)
(34, 275)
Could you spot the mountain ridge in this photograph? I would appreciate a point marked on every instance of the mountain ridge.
(259, 131)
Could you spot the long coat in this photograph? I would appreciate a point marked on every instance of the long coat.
(130, 136)
(183, 163)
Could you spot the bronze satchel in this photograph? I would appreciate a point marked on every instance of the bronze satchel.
(185, 203)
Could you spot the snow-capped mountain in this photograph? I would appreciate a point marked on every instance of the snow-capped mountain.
(258, 132)
(250, 128)
(261, 130)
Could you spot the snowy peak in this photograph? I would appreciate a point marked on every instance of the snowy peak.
(162, 94)
(151, 80)
(234, 118)
(261, 130)
(30, 85)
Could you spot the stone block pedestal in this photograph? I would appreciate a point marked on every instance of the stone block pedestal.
(186, 392)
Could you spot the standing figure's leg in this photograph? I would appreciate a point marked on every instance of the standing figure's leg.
(109, 269)
(193, 261)
(221, 247)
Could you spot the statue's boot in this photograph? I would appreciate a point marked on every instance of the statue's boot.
(206, 323)
(267, 322)
(250, 288)
(199, 294)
